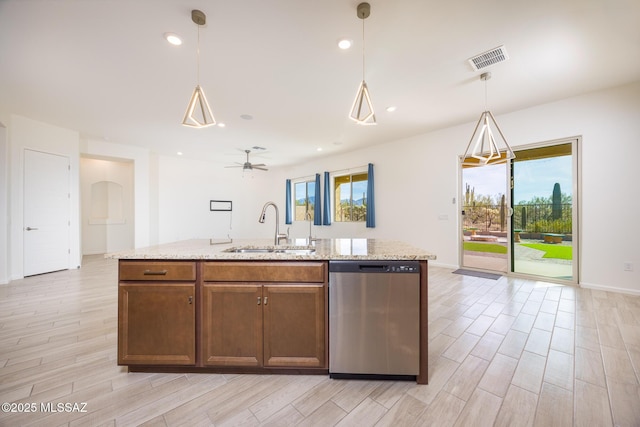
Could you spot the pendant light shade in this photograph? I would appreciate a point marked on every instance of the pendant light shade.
(362, 108)
(198, 114)
(489, 144)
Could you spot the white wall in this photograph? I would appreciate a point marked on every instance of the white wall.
(4, 206)
(24, 134)
(145, 183)
(186, 187)
(424, 169)
(106, 234)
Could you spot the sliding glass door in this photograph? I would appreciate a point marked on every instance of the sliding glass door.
(544, 216)
(485, 229)
(521, 216)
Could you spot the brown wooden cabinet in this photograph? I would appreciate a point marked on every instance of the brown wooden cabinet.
(274, 316)
(156, 313)
(211, 315)
(231, 324)
(294, 325)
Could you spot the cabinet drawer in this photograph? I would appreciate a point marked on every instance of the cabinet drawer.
(310, 272)
(157, 270)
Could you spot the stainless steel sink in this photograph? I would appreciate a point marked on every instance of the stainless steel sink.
(296, 251)
(293, 251)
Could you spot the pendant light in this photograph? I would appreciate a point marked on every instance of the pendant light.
(486, 150)
(362, 109)
(198, 114)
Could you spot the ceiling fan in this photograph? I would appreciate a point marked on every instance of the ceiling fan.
(247, 166)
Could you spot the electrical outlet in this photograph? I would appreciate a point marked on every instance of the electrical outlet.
(628, 266)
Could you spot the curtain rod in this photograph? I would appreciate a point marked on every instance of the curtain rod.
(350, 169)
(331, 172)
(300, 178)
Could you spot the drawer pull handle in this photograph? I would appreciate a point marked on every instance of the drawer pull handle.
(258, 300)
(190, 300)
(265, 300)
(155, 273)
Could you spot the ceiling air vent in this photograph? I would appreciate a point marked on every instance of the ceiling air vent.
(489, 58)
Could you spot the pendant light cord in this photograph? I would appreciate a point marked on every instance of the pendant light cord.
(198, 57)
(486, 102)
(363, 49)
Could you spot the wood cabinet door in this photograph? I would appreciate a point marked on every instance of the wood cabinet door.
(156, 324)
(231, 324)
(294, 325)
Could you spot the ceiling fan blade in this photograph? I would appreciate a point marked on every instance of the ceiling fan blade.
(262, 169)
(257, 164)
(233, 166)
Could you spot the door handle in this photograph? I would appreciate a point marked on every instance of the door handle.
(258, 300)
(265, 300)
(30, 228)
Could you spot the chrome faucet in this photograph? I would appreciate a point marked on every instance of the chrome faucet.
(278, 236)
(308, 216)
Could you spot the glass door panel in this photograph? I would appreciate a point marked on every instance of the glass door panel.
(485, 221)
(543, 212)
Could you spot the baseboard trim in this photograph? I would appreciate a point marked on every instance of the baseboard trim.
(450, 266)
(597, 287)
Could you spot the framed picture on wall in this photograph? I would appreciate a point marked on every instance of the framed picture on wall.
(220, 205)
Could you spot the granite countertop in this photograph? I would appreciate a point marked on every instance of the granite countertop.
(325, 249)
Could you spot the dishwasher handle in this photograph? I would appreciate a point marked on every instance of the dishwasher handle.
(373, 267)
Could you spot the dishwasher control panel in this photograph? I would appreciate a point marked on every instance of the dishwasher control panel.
(403, 269)
(370, 266)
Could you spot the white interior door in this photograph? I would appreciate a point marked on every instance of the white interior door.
(46, 212)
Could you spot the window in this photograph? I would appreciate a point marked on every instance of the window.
(304, 195)
(350, 196)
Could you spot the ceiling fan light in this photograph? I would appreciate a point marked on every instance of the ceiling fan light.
(198, 114)
(362, 108)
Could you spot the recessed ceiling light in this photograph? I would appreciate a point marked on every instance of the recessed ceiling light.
(173, 38)
(179, 153)
(319, 149)
(221, 125)
(391, 108)
(344, 43)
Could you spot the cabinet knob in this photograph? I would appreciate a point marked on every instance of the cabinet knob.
(265, 300)
(258, 300)
(190, 300)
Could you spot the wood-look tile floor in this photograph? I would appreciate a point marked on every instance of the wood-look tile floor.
(505, 352)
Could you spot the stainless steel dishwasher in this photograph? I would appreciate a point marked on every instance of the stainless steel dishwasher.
(374, 319)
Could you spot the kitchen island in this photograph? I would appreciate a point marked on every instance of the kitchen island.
(247, 306)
